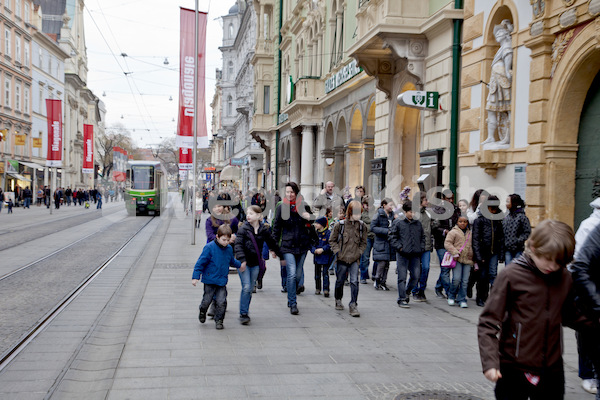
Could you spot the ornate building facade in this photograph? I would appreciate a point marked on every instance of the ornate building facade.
(554, 154)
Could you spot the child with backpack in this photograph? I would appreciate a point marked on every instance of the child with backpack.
(323, 255)
(348, 241)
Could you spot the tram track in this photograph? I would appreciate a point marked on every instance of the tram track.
(12, 350)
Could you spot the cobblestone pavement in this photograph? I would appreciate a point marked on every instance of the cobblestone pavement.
(143, 340)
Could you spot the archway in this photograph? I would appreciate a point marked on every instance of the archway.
(354, 159)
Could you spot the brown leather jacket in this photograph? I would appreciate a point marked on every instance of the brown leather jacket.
(527, 307)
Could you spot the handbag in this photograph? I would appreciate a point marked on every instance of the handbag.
(448, 261)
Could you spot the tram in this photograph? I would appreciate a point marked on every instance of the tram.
(146, 190)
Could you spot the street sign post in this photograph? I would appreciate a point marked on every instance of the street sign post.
(420, 99)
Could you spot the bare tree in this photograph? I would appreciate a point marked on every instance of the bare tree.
(115, 135)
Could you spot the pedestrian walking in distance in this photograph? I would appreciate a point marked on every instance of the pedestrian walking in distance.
(323, 255)
(348, 241)
(213, 266)
(519, 330)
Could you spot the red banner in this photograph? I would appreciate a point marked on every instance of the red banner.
(185, 126)
(88, 149)
(55, 137)
(185, 158)
(119, 164)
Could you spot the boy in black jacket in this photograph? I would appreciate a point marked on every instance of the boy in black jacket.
(407, 237)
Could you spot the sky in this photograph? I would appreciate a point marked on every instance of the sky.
(136, 88)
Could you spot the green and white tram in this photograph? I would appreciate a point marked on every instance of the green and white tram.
(146, 190)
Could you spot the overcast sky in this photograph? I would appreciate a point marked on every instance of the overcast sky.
(148, 32)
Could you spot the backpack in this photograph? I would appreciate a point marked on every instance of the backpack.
(341, 234)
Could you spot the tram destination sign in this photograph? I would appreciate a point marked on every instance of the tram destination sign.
(419, 99)
(343, 75)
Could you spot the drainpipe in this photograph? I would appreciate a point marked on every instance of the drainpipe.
(277, 133)
(455, 107)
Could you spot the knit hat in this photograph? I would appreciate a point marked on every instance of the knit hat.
(322, 221)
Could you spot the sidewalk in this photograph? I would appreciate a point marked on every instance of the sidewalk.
(321, 353)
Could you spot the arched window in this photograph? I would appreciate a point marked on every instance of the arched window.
(229, 106)
(230, 31)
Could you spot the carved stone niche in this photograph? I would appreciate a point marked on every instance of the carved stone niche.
(491, 160)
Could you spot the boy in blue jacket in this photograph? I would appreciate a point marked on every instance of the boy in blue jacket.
(213, 264)
(323, 255)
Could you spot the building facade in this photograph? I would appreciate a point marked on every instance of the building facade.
(553, 154)
(16, 148)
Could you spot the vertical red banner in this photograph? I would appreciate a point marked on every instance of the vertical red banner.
(187, 81)
(88, 149)
(55, 135)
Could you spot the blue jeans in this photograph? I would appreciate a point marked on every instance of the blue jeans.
(342, 270)
(283, 271)
(295, 274)
(460, 279)
(493, 268)
(248, 279)
(219, 293)
(365, 260)
(510, 255)
(407, 263)
(422, 283)
(99, 204)
(27, 202)
(443, 282)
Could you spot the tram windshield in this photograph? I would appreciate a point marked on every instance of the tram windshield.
(142, 177)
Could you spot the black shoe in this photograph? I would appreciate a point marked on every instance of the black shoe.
(219, 325)
(254, 289)
(384, 287)
(259, 284)
(202, 316)
(244, 319)
(480, 302)
(283, 290)
(300, 289)
(470, 292)
(294, 310)
(440, 294)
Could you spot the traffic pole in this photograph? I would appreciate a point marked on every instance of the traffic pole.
(195, 145)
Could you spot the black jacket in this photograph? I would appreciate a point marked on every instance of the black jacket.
(586, 275)
(244, 248)
(441, 227)
(516, 230)
(295, 234)
(380, 226)
(488, 239)
(407, 237)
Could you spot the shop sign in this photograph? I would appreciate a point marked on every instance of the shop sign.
(282, 118)
(37, 143)
(419, 99)
(238, 161)
(12, 167)
(344, 75)
(19, 140)
(1, 167)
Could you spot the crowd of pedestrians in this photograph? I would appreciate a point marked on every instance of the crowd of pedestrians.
(59, 197)
(470, 239)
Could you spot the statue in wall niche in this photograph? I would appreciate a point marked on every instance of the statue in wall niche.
(498, 102)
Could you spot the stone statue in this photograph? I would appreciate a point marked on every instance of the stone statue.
(498, 101)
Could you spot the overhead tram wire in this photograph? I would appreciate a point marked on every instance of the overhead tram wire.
(117, 61)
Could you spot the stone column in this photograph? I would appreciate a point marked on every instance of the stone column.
(319, 55)
(368, 155)
(340, 38)
(307, 178)
(339, 165)
(295, 158)
(353, 165)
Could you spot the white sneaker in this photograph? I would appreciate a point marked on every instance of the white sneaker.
(463, 304)
(450, 302)
(589, 385)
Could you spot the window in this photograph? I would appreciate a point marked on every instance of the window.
(26, 53)
(230, 70)
(142, 177)
(41, 101)
(7, 51)
(18, 49)
(26, 100)
(18, 97)
(49, 64)
(7, 92)
(230, 31)
(18, 8)
(229, 106)
(267, 100)
(26, 12)
(40, 57)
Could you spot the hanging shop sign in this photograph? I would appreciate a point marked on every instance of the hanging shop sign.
(55, 136)
(88, 149)
(19, 140)
(419, 99)
(37, 143)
